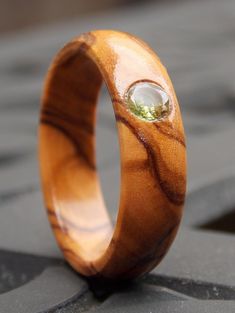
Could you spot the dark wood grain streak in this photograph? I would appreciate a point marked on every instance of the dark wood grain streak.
(174, 197)
(156, 254)
(67, 134)
(90, 272)
(79, 96)
(167, 234)
(166, 130)
(136, 165)
(168, 133)
(59, 228)
(50, 212)
(70, 251)
(50, 112)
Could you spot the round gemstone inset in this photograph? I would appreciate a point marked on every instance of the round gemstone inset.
(148, 101)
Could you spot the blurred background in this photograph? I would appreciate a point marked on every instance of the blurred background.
(196, 42)
(23, 14)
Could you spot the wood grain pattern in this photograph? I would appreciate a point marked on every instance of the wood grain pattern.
(153, 158)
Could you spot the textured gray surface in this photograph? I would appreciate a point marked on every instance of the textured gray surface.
(201, 256)
(52, 288)
(155, 306)
(196, 42)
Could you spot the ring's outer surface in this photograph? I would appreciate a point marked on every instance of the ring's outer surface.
(153, 158)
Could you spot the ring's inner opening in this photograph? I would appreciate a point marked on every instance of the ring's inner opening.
(73, 193)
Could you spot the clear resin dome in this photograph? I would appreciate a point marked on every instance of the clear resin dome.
(148, 101)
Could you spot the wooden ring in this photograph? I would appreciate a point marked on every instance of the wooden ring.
(152, 149)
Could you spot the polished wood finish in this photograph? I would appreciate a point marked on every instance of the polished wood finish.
(153, 158)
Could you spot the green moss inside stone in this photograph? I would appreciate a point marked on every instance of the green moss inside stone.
(148, 101)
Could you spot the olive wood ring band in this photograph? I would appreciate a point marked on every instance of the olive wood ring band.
(152, 151)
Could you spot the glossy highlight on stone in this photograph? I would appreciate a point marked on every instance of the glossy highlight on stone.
(148, 101)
